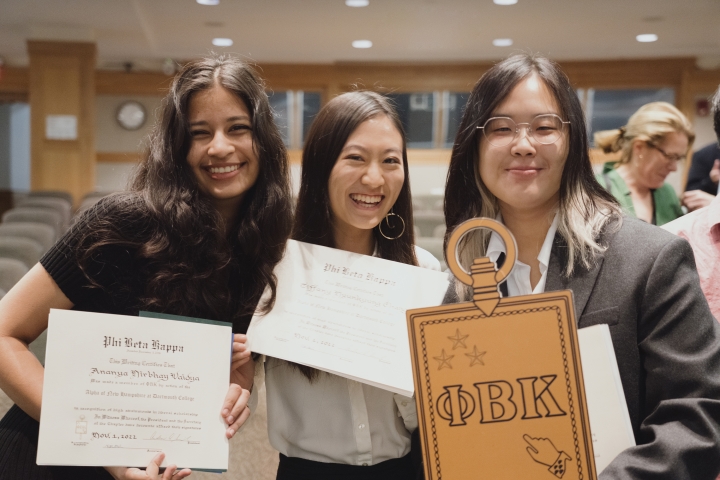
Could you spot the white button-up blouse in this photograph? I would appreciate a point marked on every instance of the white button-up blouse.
(334, 419)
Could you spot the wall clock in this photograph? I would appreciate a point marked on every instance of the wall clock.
(131, 115)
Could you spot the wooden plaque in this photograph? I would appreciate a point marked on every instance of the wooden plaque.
(499, 386)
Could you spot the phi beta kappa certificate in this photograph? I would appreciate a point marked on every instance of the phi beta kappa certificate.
(120, 389)
(344, 313)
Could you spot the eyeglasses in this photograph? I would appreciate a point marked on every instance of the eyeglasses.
(671, 157)
(546, 129)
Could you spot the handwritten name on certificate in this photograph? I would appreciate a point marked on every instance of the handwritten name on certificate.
(120, 389)
(344, 313)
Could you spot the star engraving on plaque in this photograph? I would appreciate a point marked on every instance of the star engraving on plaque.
(476, 358)
(458, 340)
(444, 360)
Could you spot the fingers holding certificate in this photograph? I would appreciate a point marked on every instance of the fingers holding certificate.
(119, 389)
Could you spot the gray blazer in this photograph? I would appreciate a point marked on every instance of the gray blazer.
(667, 343)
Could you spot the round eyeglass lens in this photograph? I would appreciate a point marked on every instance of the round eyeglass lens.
(501, 131)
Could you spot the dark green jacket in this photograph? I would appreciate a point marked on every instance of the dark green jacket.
(665, 200)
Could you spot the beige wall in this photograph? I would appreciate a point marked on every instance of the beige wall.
(110, 137)
(116, 147)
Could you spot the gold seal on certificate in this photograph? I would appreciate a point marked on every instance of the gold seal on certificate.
(120, 389)
(500, 390)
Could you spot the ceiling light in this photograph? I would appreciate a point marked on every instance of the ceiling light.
(647, 37)
(502, 42)
(505, 2)
(222, 42)
(362, 44)
(208, 2)
(357, 3)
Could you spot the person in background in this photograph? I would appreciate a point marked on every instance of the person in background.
(703, 177)
(354, 196)
(656, 138)
(702, 229)
(521, 156)
(198, 234)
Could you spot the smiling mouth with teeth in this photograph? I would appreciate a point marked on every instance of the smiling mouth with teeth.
(366, 200)
(226, 169)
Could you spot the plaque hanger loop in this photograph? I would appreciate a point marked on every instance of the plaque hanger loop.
(483, 276)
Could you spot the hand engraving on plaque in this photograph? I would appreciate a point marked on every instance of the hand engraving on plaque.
(543, 451)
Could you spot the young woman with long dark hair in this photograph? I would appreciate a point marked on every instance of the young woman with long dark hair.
(521, 156)
(354, 196)
(198, 234)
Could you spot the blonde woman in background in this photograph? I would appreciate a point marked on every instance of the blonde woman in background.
(656, 138)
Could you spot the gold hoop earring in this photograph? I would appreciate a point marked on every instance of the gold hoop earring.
(387, 220)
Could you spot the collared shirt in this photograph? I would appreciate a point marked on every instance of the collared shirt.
(334, 419)
(518, 282)
(701, 229)
(665, 200)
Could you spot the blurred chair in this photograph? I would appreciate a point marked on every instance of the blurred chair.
(40, 232)
(428, 203)
(11, 271)
(24, 249)
(47, 216)
(58, 204)
(427, 221)
(439, 231)
(52, 194)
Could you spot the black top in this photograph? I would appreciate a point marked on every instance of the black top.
(119, 275)
(699, 174)
(116, 269)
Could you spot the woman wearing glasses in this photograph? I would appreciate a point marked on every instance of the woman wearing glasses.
(521, 156)
(656, 138)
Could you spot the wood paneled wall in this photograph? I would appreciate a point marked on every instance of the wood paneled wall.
(61, 81)
(332, 79)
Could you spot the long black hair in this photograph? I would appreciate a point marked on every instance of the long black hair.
(190, 255)
(584, 205)
(328, 134)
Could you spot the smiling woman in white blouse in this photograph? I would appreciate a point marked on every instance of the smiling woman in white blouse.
(354, 196)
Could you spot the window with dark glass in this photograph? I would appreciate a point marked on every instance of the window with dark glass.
(281, 104)
(417, 114)
(453, 109)
(610, 109)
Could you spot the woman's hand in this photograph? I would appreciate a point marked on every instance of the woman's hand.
(695, 199)
(242, 374)
(242, 369)
(151, 472)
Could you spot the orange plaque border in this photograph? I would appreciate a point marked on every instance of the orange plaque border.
(468, 311)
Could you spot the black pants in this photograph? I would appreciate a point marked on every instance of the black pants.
(18, 453)
(300, 469)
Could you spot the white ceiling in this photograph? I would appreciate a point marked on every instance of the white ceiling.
(321, 31)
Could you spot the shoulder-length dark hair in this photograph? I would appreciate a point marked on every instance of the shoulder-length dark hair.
(190, 262)
(327, 136)
(584, 205)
